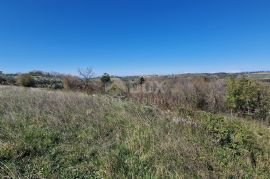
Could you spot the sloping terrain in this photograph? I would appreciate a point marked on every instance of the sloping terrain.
(53, 134)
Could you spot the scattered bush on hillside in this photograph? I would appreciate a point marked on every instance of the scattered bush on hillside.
(105, 79)
(11, 80)
(25, 80)
(3, 80)
(72, 83)
(7, 79)
(48, 82)
(141, 81)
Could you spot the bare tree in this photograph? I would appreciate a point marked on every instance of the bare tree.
(86, 76)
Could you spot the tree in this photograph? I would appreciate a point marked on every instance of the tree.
(86, 76)
(105, 79)
(141, 81)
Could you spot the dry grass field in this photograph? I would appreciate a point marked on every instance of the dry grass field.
(56, 134)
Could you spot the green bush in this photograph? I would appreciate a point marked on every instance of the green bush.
(248, 98)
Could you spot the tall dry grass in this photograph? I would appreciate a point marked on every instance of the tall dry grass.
(54, 134)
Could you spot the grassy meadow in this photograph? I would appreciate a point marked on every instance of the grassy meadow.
(58, 134)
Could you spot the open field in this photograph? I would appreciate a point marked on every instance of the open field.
(134, 89)
(57, 134)
(262, 76)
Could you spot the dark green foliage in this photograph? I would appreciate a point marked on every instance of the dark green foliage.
(105, 79)
(3, 80)
(141, 80)
(7, 79)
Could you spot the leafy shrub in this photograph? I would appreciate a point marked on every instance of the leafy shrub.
(7, 79)
(248, 98)
(105, 79)
(3, 80)
(25, 80)
(48, 82)
(236, 141)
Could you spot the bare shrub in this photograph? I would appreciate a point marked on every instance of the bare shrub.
(193, 92)
(72, 83)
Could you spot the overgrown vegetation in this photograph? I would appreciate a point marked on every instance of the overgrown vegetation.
(54, 134)
(25, 80)
(244, 94)
(249, 98)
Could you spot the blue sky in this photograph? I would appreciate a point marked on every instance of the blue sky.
(126, 37)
